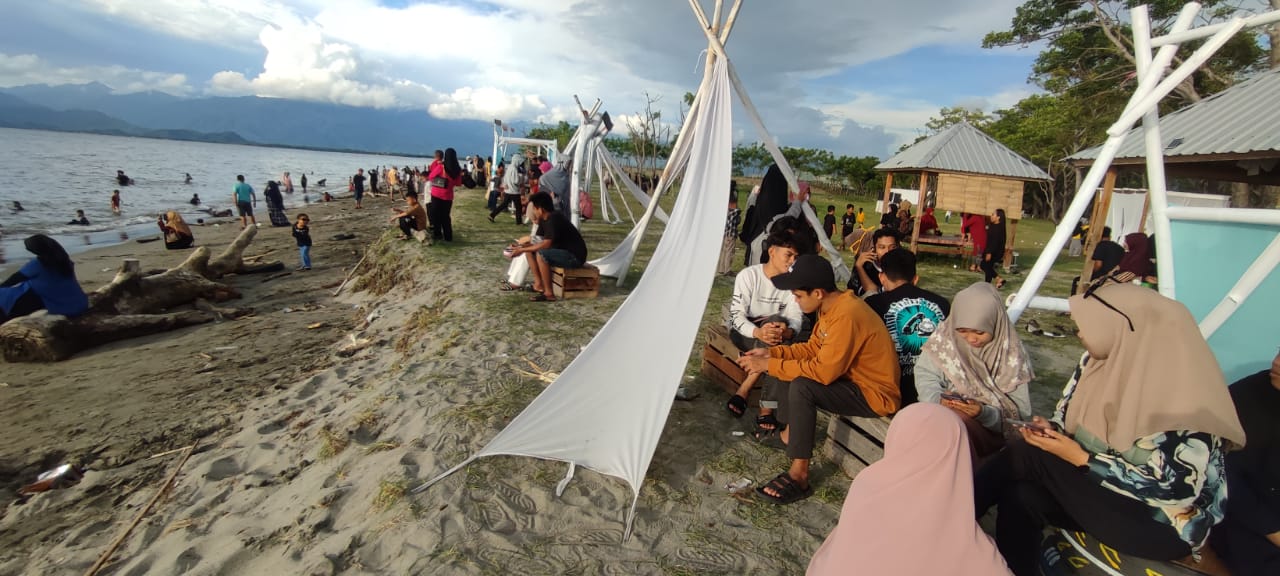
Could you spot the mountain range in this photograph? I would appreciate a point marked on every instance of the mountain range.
(95, 107)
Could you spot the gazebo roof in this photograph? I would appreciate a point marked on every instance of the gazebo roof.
(1228, 136)
(967, 150)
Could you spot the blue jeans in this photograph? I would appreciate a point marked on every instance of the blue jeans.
(305, 253)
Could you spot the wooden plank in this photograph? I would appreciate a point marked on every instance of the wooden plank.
(724, 364)
(848, 463)
(1102, 206)
(857, 441)
(727, 383)
(924, 196)
(888, 189)
(718, 338)
(877, 428)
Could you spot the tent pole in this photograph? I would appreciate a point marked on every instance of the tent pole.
(1101, 208)
(719, 11)
(1252, 278)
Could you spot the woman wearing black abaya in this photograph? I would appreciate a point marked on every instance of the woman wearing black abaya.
(994, 254)
(770, 203)
(275, 204)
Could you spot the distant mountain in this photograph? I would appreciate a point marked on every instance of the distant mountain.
(274, 120)
(16, 112)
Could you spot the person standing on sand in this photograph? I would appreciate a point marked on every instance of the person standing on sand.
(357, 187)
(244, 199)
(275, 204)
(115, 202)
(302, 234)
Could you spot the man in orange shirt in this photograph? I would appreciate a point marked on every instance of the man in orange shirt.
(848, 366)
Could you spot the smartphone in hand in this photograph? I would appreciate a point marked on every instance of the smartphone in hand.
(1032, 426)
(952, 396)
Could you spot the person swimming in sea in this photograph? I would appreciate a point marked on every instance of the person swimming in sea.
(195, 199)
(17, 206)
(79, 220)
(187, 180)
(122, 179)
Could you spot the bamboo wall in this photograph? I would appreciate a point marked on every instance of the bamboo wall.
(979, 194)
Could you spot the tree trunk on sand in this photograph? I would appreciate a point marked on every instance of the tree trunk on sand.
(43, 337)
(135, 304)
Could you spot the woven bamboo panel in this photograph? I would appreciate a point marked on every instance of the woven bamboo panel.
(979, 194)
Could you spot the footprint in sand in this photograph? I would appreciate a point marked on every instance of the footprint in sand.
(222, 469)
(309, 389)
(515, 499)
(187, 560)
(710, 560)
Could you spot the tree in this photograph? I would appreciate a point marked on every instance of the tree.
(560, 132)
(649, 139)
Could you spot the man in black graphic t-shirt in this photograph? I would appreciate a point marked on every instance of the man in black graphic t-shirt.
(910, 313)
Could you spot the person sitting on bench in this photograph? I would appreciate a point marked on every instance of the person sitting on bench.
(847, 367)
(413, 219)
(976, 365)
(1135, 453)
(557, 244)
(926, 473)
(1248, 539)
(912, 314)
(760, 316)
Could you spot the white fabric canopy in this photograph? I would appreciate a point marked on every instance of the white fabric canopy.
(1125, 214)
(607, 409)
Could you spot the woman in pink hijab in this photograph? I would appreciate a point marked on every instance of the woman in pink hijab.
(912, 512)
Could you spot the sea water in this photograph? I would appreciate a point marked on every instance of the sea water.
(53, 174)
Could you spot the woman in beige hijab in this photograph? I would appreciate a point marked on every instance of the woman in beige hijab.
(177, 235)
(1134, 454)
(975, 365)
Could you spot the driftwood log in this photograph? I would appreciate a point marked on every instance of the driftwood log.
(136, 304)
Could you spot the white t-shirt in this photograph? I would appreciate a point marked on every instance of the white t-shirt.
(756, 298)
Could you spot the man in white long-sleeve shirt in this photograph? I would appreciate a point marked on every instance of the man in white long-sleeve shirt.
(760, 316)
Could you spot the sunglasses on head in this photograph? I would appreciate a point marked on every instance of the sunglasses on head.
(1091, 292)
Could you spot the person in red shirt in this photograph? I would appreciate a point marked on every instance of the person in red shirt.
(974, 228)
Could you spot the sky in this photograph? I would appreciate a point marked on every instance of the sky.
(856, 77)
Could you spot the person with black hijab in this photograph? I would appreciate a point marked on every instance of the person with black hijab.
(994, 253)
(275, 205)
(771, 202)
(1248, 538)
(890, 219)
(444, 177)
(47, 282)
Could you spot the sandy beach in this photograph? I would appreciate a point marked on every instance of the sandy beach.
(309, 437)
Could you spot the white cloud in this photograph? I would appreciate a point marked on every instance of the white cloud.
(525, 59)
(20, 69)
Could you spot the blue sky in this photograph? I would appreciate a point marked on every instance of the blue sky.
(856, 77)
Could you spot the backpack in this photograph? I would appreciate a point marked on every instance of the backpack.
(585, 208)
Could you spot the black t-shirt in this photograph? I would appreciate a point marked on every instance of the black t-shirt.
(911, 314)
(847, 223)
(1110, 254)
(829, 224)
(359, 180)
(560, 231)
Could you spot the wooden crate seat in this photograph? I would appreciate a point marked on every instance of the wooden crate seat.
(720, 362)
(569, 283)
(854, 443)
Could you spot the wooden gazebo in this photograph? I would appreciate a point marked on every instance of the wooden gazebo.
(966, 171)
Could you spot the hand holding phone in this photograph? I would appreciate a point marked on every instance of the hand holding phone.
(1035, 427)
(954, 397)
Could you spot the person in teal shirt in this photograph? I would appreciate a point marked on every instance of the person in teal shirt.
(245, 200)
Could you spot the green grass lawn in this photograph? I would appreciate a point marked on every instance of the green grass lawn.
(1054, 358)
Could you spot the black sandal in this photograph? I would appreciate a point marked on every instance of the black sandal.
(737, 406)
(769, 419)
(787, 488)
(542, 298)
(506, 286)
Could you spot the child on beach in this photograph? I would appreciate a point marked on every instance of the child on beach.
(115, 202)
(302, 233)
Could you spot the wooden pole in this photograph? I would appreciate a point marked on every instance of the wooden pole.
(1099, 221)
(1146, 205)
(1008, 247)
(924, 194)
(106, 556)
(888, 186)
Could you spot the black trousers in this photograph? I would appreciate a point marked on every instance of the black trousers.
(509, 200)
(800, 400)
(440, 212)
(1035, 489)
(408, 224)
(989, 267)
(24, 306)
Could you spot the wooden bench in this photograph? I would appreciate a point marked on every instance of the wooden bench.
(720, 360)
(854, 443)
(569, 283)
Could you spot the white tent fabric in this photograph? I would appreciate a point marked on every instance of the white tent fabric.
(1125, 214)
(607, 409)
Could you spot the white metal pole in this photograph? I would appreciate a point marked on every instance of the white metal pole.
(1193, 63)
(1252, 278)
(1207, 31)
(1263, 216)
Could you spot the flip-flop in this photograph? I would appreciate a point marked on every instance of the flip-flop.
(737, 406)
(506, 286)
(788, 490)
(542, 298)
(762, 433)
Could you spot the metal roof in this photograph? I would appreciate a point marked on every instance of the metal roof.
(963, 148)
(1242, 119)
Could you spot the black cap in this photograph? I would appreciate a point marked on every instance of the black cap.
(809, 272)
